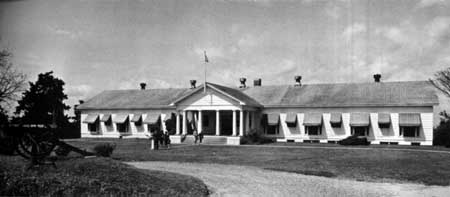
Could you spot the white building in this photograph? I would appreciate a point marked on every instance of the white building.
(384, 112)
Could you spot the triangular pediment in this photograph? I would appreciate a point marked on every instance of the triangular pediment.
(211, 97)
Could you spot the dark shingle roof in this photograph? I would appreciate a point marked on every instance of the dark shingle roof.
(412, 93)
(408, 93)
(134, 99)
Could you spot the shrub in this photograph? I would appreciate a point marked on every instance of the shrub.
(354, 140)
(105, 149)
(441, 135)
(255, 138)
(7, 146)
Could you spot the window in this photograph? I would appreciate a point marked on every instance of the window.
(272, 129)
(313, 130)
(409, 131)
(360, 131)
(336, 124)
(384, 125)
(122, 127)
(152, 128)
(93, 127)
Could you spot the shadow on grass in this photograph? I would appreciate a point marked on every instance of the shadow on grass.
(306, 172)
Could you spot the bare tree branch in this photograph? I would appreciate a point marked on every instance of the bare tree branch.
(11, 80)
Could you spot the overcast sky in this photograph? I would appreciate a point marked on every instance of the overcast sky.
(94, 45)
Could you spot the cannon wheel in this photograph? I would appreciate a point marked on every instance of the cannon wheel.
(37, 144)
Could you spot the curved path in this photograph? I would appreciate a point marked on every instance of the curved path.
(231, 180)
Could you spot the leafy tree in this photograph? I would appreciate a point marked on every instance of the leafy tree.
(43, 102)
(441, 136)
(11, 83)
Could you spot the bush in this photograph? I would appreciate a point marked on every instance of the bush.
(255, 138)
(104, 150)
(354, 140)
(441, 135)
(7, 146)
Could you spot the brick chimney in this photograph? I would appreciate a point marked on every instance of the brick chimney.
(193, 82)
(242, 80)
(143, 86)
(377, 78)
(298, 80)
(257, 82)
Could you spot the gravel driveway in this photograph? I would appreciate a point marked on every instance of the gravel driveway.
(231, 180)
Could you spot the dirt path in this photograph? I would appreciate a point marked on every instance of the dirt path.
(231, 180)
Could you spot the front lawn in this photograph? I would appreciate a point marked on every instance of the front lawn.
(92, 177)
(378, 164)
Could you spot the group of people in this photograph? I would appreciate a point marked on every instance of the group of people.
(159, 139)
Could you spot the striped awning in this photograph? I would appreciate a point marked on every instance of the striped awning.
(291, 118)
(312, 119)
(152, 118)
(91, 118)
(120, 118)
(359, 119)
(335, 118)
(409, 119)
(384, 118)
(105, 118)
(136, 118)
(167, 116)
(273, 119)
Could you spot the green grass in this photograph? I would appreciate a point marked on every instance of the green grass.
(378, 164)
(92, 177)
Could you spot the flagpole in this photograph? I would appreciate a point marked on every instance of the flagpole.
(204, 85)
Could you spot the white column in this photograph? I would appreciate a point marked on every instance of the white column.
(241, 123)
(200, 128)
(184, 123)
(234, 123)
(217, 122)
(177, 130)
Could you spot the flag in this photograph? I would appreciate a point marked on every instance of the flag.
(206, 57)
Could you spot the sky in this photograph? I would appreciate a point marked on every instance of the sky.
(96, 45)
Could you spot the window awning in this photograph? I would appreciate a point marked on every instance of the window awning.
(359, 119)
(91, 118)
(409, 119)
(105, 118)
(291, 118)
(136, 118)
(336, 118)
(273, 119)
(120, 118)
(312, 119)
(384, 118)
(152, 118)
(167, 116)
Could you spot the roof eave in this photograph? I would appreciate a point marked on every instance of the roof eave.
(357, 105)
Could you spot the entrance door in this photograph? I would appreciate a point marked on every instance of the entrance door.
(226, 122)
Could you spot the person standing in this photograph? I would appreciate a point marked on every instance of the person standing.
(167, 139)
(195, 136)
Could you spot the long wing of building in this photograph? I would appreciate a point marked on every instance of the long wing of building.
(383, 112)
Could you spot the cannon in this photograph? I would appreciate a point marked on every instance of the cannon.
(36, 142)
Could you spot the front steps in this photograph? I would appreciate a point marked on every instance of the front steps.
(207, 140)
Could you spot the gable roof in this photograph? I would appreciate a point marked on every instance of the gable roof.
(234, 94)
(408, 93)
(135, 99)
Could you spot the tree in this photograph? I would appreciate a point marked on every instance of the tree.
(442, 81)
(43, 102)
(11, 83)
(11, 80)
